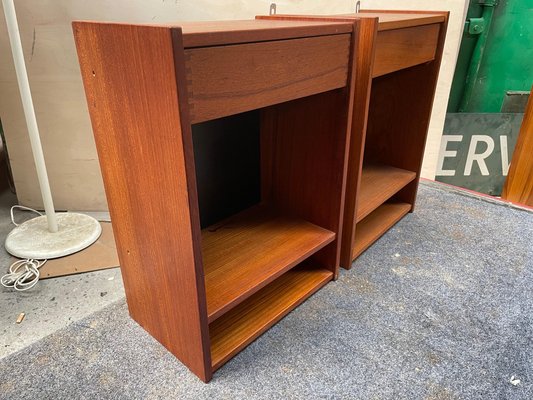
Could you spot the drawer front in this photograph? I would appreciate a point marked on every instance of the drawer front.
(226, 80)
(402, 48)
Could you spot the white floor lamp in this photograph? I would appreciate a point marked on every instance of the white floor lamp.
(51, 235)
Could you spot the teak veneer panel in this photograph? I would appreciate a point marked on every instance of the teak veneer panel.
(366, 36)
(403, 39)
(244, 253)
(519, 183)
(144, 143)
(378, 184)
(376, 224)
(226, 80)
(387, 20)
(243, 324)
(216, 33)
(403, 48)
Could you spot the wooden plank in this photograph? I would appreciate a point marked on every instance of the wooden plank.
(402, 19)
(402, 48)
(387, 19)
(228, 80)
(242, 325)
(378, 184)
(216, 33)
(246, 252)
(366, 34)
(144, 141)
(373, 226)
(519, 183)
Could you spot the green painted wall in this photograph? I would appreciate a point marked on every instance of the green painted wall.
(507, 62)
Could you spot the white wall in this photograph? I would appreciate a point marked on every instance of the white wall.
(58, 92)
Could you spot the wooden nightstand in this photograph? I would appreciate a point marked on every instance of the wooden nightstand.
(205, 292)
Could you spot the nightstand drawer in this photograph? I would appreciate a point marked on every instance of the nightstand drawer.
(226, 80)
(402, 48)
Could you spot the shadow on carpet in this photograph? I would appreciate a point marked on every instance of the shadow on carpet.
(439, 308)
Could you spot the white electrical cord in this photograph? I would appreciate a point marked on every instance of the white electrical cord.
(21, 208)
(23, 274)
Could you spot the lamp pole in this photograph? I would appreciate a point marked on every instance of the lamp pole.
(29, 113)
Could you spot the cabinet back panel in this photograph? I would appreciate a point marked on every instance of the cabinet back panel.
(226, 80)
(226, 154)
(400, 106)
(303, 161)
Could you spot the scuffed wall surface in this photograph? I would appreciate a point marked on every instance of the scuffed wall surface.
(58, 92)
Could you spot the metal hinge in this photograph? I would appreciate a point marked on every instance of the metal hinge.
(476, 25)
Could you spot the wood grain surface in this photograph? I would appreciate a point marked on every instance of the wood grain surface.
(141, 137)
(400, 110)
(519, 183)
(246, 252)
(215, 33)
(373, 226)
(378, 184)
(227, 80)
(403, 48)
(366, 35)
(243, 324)
(387, 19)
(306, 153)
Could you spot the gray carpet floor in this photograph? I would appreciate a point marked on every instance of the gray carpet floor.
(439, 308)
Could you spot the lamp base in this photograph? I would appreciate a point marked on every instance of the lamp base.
(33, 240)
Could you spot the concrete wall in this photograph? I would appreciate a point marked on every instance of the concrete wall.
(58, 93)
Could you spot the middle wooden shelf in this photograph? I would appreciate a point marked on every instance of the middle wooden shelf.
(379, 182)
(247, 251)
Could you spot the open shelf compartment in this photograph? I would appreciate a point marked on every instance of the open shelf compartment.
(379, 183)
(376, 224)
(243, 324)
(245, 252)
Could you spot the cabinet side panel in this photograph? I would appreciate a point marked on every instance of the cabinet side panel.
(364, 49)
(130, 81)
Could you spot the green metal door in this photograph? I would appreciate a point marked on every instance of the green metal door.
(496, 55)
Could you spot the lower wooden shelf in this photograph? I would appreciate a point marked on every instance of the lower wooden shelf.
(243, 324)
(244, 253)
(378, 184)
(376, 224)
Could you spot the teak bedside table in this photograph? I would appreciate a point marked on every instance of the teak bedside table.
(205, 292)
(397, 68)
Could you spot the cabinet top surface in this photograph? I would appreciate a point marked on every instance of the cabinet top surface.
(213, 33)
(387, 19)
(216, 33)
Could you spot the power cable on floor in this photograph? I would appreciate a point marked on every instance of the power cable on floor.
(23, 274)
